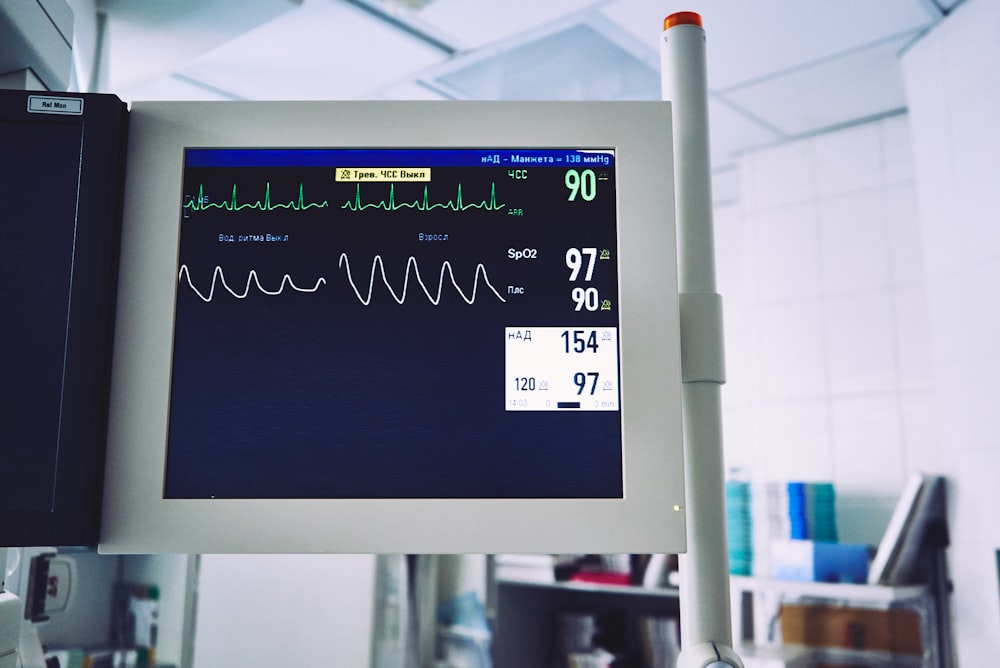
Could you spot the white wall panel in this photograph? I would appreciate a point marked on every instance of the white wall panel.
(260, 611)
(954, 97)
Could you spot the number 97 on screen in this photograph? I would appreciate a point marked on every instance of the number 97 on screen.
(561, 369)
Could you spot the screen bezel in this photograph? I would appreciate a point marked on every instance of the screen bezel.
(651, 516)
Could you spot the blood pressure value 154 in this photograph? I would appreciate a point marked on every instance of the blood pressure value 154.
(561, 369)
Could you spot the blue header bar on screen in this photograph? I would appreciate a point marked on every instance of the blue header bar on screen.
(390, 157)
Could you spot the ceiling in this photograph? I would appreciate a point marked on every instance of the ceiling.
(777, 69)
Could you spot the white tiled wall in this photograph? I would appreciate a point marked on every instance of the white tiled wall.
(827, 338)
(861, 276)
(953, 92)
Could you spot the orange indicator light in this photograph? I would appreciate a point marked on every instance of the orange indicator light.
(682, 18)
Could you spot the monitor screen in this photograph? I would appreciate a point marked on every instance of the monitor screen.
(397, 327)
(378, 323)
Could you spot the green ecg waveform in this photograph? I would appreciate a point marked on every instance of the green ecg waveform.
(424, 204)
(199, 203)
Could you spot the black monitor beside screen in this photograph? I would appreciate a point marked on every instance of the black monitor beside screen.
(61, 174)
(397, 327)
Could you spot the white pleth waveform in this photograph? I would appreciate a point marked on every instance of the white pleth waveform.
(378, 267)
(411, 263)
(218, 278)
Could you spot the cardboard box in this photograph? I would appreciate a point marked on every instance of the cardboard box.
(893, 630)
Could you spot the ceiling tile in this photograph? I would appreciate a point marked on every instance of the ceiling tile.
(409, 90)
(579, 61)
(860, 85)
(476, 24)
(732, 131)
(171, 87)
(324, 50)
(147, 40)
(764, 57)
(747, 40)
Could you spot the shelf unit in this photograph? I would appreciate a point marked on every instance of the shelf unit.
(526, 613)
(744, 589)
(834, 591)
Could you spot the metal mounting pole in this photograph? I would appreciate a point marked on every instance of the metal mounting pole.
(706, 625)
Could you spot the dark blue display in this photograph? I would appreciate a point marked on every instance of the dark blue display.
(36, 257)
(345, 338)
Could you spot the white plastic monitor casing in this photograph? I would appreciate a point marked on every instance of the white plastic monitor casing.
(649, 519)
